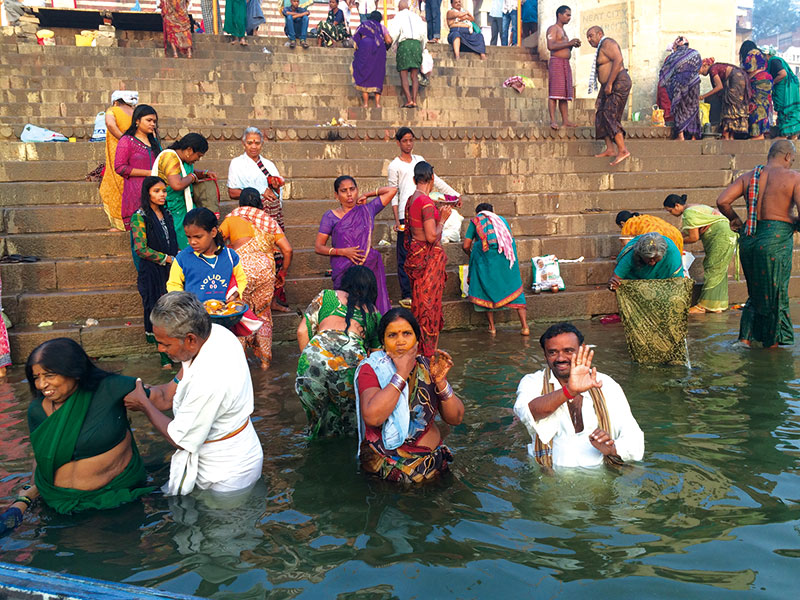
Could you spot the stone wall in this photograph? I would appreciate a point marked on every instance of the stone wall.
(644, 30)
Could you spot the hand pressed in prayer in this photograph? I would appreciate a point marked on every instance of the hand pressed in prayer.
(441, 363)
(582, 376)
(444, 213)
(603, 442)
(136, 399)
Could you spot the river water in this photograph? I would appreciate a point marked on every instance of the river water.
(711, 511)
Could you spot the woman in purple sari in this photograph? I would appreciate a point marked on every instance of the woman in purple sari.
(350, 229)
(369, 59)
(680, 75)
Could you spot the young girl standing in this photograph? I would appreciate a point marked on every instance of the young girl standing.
(155, 243)
(206, 267)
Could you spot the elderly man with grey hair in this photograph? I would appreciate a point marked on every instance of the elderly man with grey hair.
(251, 170)
(211, 399)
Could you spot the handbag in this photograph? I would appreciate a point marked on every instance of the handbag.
(205, 193)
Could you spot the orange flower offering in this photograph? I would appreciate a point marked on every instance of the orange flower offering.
(221, 309)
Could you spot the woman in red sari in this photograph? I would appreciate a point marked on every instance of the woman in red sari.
(177, 27)
(426, 259)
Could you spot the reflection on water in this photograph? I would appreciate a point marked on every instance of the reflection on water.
(712, 509)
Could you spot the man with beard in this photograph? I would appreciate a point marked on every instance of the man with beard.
(576, 416)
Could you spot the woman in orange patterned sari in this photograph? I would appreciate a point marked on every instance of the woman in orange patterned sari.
(177, 27)
(426, 259)
(255, 236)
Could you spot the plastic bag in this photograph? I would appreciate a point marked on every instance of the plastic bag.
(427, 62)
(205, 193)
(463, 277)
(546, 273)
(99, 134)
(451, 231)
(705, 114)
(657, 116)
(32, 133)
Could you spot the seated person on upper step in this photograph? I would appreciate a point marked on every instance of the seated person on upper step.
(296, 17)
(461, 31)
(568, 427)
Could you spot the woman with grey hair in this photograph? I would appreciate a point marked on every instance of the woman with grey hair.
(251, 170)
(647, 256)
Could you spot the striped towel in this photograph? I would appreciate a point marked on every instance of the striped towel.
(505, 243)
(752, 202)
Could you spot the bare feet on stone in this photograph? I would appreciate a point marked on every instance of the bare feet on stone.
(554, 125)
(620, 157)
(569, 124)
(608, 152)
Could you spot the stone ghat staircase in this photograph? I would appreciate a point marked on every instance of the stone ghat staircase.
(557, 196)
(225, 88)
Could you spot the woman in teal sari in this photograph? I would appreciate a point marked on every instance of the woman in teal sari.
(86, 457)
(785, 95)
(706, 224)
(495, 282)
(648, 256)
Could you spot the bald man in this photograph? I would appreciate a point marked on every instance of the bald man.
(772, 198)
(615, 86)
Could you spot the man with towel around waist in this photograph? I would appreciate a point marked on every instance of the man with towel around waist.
(772, 198)
(211, 399)
(559, 73)
(608, 70)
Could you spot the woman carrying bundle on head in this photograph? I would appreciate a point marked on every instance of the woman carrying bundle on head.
(255, 236)
(706, 224)
(156, 244)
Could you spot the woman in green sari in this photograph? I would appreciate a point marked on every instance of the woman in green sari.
(175, 165)
(495, 282)
(86, 457)
(785, 95)
(708, 225)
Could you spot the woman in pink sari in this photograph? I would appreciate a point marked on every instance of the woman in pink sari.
(350, 229)
(5, 348)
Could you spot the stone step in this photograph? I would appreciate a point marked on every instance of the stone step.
(114, 337)
(68, 274)
(450, 149)
(298, 169)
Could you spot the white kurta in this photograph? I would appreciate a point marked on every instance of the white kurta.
(243, 172)
(214, 399)
(572, 449)
(401, 176)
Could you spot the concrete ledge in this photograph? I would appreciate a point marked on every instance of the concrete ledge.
(18, 583)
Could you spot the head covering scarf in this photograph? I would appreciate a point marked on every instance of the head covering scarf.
(707, 62)
(130, 97)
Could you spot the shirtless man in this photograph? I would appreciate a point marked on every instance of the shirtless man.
(460, 24)
(615, 85)
(558, 69)
(765, 244)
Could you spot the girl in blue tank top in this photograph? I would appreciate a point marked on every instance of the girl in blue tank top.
(205, 267)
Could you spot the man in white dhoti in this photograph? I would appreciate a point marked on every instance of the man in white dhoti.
(570, 427)
(211, 399)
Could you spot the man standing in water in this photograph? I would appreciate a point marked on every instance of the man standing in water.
(567, 430)
(559, 73)
(772, 195)
(615, 84)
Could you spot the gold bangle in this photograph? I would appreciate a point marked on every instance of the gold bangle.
(330, 251)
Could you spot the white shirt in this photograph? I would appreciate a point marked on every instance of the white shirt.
(367, 6)
(401, 176)
(213, 400)
(572, 449)
(407, 25)
(243, 172)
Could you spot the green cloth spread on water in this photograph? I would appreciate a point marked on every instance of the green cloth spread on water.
(655, 316)
(54, 445)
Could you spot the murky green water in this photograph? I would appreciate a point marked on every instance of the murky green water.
(711, 511)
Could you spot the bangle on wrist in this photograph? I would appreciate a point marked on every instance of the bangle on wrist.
(24, 499)
(398, 382)
(175, 380)
(446, 393)
(566, 393)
